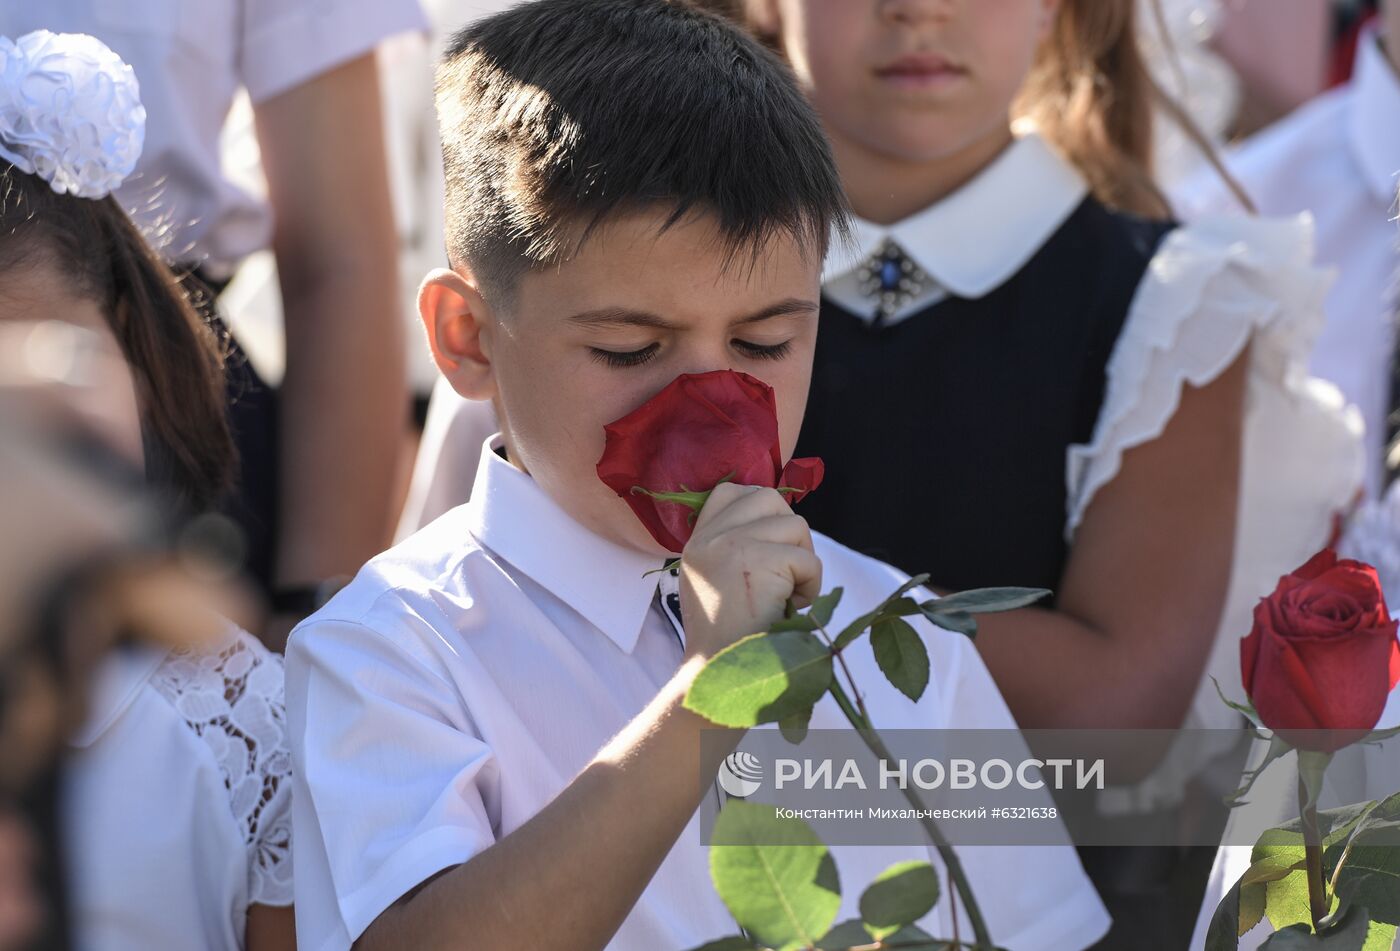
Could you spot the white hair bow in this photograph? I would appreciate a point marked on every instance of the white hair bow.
(70, 112)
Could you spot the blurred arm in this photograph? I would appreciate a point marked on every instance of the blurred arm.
(1142, 594)
(343, 397)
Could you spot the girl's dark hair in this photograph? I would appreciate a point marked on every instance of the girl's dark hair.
(175, 357)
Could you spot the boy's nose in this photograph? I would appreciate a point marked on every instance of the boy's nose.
(705, 356)
(913, 12)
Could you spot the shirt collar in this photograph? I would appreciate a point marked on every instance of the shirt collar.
(515, 519)
(1374, 127)
(977, 238)
(117, 682)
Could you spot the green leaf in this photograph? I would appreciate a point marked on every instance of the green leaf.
(1272, 867)
(1349, 934)
(902, 590)
(1243, 905)
(848, 934)
(1367, 868)
(736, 943)
(1281, 849)
(774, 874)
(1243, 708)
(1224, 931)
(1277, 749)
(1284, 844)
(1375, 737)
(824, 606)
(855, 629)
(1290, 898)
(669, 566)
(852, 934)
(794, 726)
(893, 605)
(1371, 879)
(899, 896)
(901, 654)
(1380, 825)
(1252, 901)
(956, 622)
(900, 607)
(1286, 901)
(762, 678)
(985, 601)
(798, 622)
(1379, 937)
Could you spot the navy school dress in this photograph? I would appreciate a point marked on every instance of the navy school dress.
(945, 434)
(945, 438)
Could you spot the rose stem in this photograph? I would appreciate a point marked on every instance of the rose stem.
(1318, 902)
(951, 862)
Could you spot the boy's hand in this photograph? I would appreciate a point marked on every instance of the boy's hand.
(748, 554)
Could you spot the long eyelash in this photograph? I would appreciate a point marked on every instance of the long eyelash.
(631, 358)
(761, 352)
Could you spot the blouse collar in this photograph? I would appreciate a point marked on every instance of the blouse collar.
(977, 238)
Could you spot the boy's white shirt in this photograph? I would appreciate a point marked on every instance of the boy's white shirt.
(466, 676)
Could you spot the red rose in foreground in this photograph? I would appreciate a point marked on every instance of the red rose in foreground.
(702, 429)
(1323, 653)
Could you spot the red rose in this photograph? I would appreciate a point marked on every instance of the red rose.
(1323, 653)
(702, 429)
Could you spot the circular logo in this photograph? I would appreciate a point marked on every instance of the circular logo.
(740, 774)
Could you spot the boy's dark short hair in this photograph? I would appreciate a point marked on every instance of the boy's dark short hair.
(559, 114)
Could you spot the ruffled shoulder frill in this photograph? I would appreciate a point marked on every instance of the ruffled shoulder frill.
(1214, 287)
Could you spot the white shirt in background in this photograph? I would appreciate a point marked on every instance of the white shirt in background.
(177, 800)
(191, 57)
(1337, 157)
(468, 674)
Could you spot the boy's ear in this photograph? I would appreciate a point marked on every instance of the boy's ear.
(459, 324)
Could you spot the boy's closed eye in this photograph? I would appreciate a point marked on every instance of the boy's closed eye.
(632, 358)
(767, 333)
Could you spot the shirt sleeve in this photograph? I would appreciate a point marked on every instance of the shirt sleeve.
(392, 782)
(285, 43)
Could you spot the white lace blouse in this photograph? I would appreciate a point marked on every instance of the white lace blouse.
(178, 799)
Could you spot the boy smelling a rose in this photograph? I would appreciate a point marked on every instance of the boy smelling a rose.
(487, 723)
